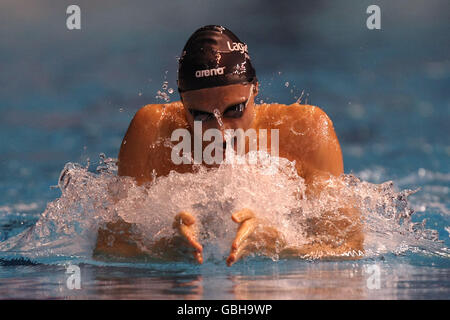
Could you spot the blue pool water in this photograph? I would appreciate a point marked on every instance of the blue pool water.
(66, 96)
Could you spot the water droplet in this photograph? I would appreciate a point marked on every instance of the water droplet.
(218, 117)
(162, 95)
(422, 172)
(299, 100)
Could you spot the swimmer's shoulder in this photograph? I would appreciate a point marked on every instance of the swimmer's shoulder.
(151, 123)
(161, 115)
(159, 120)
(306, 135)
(296, 115)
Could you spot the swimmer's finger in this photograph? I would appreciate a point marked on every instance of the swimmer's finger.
(242, 215)
(238, 248)
(233, 257)
(189, 235)
(237, 254)
(184, 223)
(245, 230)
(198, 257)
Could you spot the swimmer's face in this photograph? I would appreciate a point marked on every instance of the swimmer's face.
(224, 107)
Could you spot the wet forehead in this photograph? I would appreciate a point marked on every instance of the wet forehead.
(216, 98)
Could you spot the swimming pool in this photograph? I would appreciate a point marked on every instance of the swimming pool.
(66, 97)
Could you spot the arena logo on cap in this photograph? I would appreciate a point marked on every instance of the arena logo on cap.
(237, 46)
(209, 72)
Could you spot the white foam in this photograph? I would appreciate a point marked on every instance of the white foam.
(272, 189)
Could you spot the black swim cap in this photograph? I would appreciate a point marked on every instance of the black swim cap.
(213, 56)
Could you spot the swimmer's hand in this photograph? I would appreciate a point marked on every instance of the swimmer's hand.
(253, 236)
(185, 225)
(126, 243)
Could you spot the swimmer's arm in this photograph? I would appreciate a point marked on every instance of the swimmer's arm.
(324, 162)
(323, 159)
(335, 232)
(260, 237)
(320, 251)
(335, 235)
(253, 236)
(134, 161)
(118, 240)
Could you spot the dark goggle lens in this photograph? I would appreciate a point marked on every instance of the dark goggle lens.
(235, 111)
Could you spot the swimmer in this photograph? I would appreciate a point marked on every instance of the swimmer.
(218, 85)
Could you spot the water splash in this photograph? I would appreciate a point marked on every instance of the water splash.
(218, 117)
(69, 225)
(299, 100)
(165, 92)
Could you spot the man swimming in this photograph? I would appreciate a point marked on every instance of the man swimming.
(218, 85)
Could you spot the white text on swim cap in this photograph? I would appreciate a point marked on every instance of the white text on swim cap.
(237, 46)
(209, 72)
